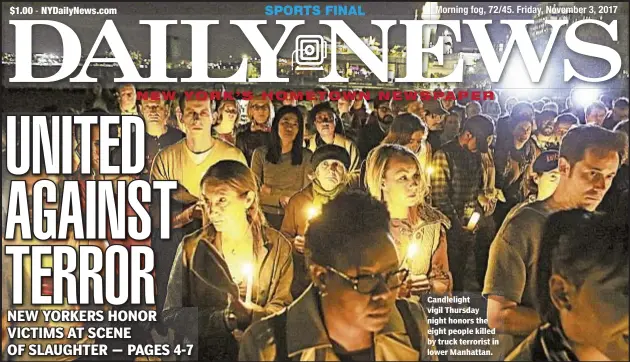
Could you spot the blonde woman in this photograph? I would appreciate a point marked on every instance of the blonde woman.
(233, 272)
(394, 176)
(224, 127)
(260, 114)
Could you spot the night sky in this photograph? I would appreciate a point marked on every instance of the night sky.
(225, 39)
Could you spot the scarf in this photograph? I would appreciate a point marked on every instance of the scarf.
(322, 197)
(255, 127)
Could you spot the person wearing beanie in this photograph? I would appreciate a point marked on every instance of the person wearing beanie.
(545, 176)
(330, 177)
(330, 131)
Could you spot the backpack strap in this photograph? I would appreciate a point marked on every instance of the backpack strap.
(279, 322)
(410, 324)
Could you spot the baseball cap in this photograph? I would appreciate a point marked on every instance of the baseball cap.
(481, 127)
(434, 107)
(546, 161)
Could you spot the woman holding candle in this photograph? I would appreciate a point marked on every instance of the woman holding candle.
(235, 257)
(260, 113)
(330, 178)
(393, 176)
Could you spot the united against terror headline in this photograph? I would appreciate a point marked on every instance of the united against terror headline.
(47, 147)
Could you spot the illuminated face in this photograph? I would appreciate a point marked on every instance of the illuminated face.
(596, 116)
(325, 123)
(197, 117)
(448, 103)
(260, 111)
(589, 179)
(288, 127)
(416, 141)
(598, 316)
(330, 173)
(127, 97)
(547, 183)
(366, 312)
(154, 112)
(402, 182)
(222, 204)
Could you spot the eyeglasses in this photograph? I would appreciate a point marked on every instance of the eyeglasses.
(384, 109)
(230, 111)
(324, 119)
(259, 107)
(368, 284)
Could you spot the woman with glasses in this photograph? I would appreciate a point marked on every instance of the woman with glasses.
(282, 166)
(228, 115)
(350, 312)
(394, 176)
(260, 113)
(329, 131)
(233, 272)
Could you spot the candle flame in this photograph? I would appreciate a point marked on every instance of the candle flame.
(312, 212)
(248, 269)
(412, 250)
(430, 170)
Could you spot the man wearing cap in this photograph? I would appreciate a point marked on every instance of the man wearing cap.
(545, 176)
(330, 178)
(376, 128)
(543, 137)
(434, 118)
(456, 184)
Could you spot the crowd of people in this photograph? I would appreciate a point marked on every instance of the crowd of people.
(310, 230)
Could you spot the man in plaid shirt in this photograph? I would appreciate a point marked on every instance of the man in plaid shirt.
(456, 182)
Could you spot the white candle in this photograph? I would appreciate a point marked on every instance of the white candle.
(430, 170)
(248, 272)
(473, 220)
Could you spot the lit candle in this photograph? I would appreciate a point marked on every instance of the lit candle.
(473, 220)
(430, 170)
(312, 213)
(412, 250)
(248, 272)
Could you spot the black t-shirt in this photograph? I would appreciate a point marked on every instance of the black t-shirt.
(356, 356)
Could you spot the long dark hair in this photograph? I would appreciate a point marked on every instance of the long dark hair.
(274, 149)
(574, 244)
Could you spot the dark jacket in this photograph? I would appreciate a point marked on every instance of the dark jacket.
(247, 141)
(370, 136)
(200, 282)
(307, 339)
